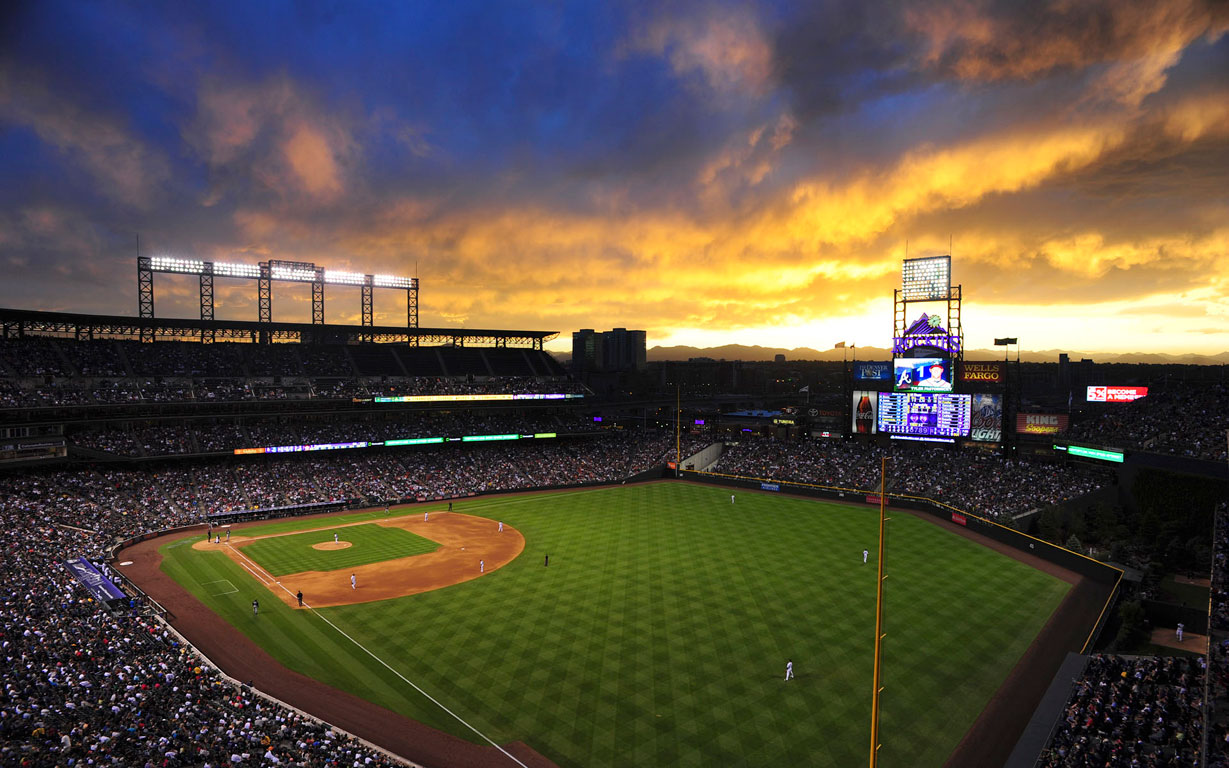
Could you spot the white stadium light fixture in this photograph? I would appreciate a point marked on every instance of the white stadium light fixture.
(344, 278)
(294, 274)
(926, 279)
(224, 269)
(390, 281)
(171, 264)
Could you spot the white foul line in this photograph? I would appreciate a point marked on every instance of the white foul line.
(364, 649)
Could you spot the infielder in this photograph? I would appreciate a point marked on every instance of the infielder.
(1181, 627)
(501, 526)
(353, 581)
(424, 516)
(334, 537)
(482, 566)
(300, 596)
(789, 669)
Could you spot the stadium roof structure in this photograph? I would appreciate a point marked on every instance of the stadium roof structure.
(22, 322)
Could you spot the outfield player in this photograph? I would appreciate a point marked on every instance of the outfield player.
(731, 498)
(789, 669)
(865, 554)
(255, 607)
(353, 581)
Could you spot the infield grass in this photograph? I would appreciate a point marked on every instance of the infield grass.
(659, 633)
(370, 543)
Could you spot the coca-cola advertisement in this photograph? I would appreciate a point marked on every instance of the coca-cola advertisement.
(986, 420)
(1041, 423)
(865, 412)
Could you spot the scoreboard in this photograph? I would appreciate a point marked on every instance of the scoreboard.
(931, 414)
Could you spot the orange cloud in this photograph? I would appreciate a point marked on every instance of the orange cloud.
(727, 49)
(123, 166)
(275, 133)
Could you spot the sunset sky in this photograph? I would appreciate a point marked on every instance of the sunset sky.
(711, 173)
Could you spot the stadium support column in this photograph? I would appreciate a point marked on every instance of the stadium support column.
(318, 298)
(368, 313)
(207, 301)
(411, 310)
(145, 296)
(264, 300)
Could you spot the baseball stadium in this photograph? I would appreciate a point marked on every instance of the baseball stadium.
(723, 384)
(439, 547)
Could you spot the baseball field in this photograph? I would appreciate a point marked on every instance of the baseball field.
(657, 635)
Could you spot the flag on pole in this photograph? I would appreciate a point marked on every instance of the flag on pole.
(807, 388)
(839, 345)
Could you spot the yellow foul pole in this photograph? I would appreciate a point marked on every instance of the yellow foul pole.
(678, 440)
(883, 471)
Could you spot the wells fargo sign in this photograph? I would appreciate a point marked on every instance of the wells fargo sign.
(984, 373)
(1041, 423)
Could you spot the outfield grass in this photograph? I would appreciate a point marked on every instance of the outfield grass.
(370, 543)
(659, 633)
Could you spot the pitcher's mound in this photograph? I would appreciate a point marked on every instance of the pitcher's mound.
(332, 545)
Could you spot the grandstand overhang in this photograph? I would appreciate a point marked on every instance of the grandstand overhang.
(22, 322)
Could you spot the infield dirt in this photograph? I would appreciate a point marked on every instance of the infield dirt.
(464, 541)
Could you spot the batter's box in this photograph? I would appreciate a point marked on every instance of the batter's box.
(233, 589)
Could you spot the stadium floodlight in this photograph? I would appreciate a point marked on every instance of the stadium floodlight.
(926, 279)
(344, 278)
(390, 281)
(226, 269)
(294, 274)
(171, 264)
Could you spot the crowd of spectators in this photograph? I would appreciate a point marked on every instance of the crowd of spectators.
(84, 686)
(1180, 420)
(1132, 711)
(982, 484)
(41, 393)
(134, 440)
(40, 371)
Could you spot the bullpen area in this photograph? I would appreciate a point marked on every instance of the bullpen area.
(657, 634)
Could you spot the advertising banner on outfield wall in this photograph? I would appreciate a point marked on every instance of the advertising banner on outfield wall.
(872, 371)
(1041, 423)
(982, 373)
(865, 412)
(986, 420)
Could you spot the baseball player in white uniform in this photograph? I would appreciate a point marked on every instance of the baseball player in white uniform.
(789, 669)
(353, 581)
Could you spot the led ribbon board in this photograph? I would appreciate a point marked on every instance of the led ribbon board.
(472, 398)
(1092, 453)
